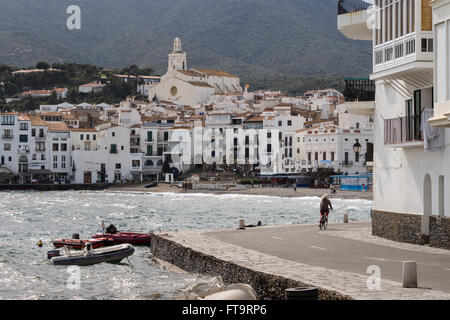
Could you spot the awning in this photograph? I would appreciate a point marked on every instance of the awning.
(40, 171)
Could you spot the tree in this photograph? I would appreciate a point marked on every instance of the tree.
(42, 65)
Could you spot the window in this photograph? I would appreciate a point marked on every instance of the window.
(43, 157)
(410, 46)
(63, 146)
(289, 123)
(378, 57)
(118, 166)
(332, 156)
(23, 126)
(23, 138)
(55, 147)
(63, 158)
(8, 120)
(399, 51)
(94, 137)
(280, 123)
(40, 146)
(324, 156)
(136, 163)
(122, 148)
(88, 137)
(113, 134)
(7, 147)
(427, 45)
(388, 54)
(81, 136)
(113, 148)
(33, 132)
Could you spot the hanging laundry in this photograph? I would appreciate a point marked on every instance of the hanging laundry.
(433, 137)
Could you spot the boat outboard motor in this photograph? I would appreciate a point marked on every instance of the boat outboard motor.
(76, 236)
(53, 253)
(111, 229)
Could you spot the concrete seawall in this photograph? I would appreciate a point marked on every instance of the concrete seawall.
(268, 286)
(272, 259)
(54, 187)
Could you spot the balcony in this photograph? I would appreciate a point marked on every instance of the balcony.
(7, 136)
(353, 17)
(403, 132)
(441, 116)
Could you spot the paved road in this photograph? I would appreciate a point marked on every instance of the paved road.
(308, 245)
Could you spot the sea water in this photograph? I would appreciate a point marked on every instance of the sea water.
(27, 217)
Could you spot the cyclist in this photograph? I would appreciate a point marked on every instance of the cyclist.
(325, 206)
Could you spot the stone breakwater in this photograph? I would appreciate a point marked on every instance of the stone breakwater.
(268, 286)
(199, 252)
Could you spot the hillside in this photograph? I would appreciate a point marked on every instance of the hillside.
(256, 39)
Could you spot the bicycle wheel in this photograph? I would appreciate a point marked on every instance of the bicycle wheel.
(325, 224)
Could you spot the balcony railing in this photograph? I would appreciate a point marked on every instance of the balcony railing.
(402, 130)
(348, 6)
(7, 136)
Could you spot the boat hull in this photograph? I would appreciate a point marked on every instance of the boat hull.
(113, 254)
(126, 237)
(79, 244)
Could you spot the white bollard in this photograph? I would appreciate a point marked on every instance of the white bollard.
(409, 274)
(345, 217)
(241, 224)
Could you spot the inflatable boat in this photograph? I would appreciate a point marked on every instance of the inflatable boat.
(78, 244)
(90, 256)
(126, 237)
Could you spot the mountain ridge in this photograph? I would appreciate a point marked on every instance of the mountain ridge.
(254, 39)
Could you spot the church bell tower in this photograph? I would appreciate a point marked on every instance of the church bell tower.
(178, 58)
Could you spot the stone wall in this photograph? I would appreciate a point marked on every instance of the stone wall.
(268, 286)
(440, 232)
(407, 228)
(397, 226)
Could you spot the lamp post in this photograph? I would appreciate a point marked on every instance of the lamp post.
(357, 149)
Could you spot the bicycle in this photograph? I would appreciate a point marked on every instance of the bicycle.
(323, 225)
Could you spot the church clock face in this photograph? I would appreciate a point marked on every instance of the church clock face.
(173, 91)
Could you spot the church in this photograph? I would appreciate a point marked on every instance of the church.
(191, 86)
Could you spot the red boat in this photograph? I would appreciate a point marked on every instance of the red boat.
(79, 244)
(126, 237)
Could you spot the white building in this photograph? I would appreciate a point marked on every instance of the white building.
(191, 86)
(411, 172)
(101, 155)
(91, 87)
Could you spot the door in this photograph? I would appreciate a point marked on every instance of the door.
(87, 177)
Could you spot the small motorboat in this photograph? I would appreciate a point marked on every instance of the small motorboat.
(151, 185)
(78, 244)
(90, 256)
(126, 237)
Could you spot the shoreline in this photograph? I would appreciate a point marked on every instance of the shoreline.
(274, 192)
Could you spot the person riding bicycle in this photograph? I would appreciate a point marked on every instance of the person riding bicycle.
(325, 206)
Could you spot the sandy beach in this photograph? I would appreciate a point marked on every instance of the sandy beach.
(275, 192)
